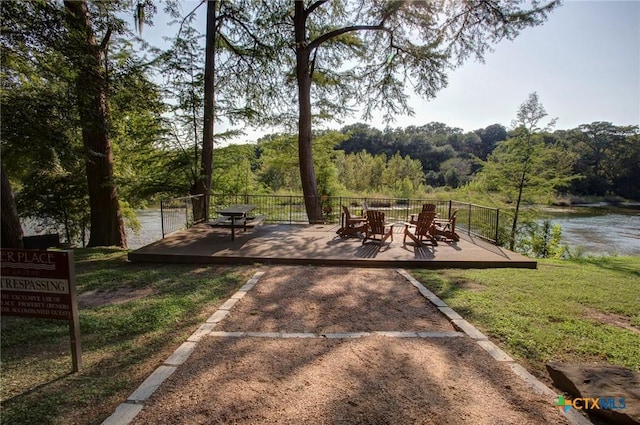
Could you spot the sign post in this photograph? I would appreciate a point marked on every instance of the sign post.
(41, 284)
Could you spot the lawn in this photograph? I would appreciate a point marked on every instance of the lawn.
(584, 310)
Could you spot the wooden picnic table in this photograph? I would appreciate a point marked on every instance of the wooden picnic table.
(235, 212)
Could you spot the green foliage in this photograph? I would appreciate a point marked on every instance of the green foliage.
(137, 125)
(279, 157)
(234, 170)
(403, 176)
(41, 147)
(280, 167)
(42, 140)
(543, 241)
(324, 156)
(446, 154)
(182, 68)
(607, 158)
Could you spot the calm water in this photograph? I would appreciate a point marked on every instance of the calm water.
(600, 230)
(150, 229)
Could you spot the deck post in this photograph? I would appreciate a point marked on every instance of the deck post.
(469, 225)
(162, 217)
(186, 212)
(497, 224)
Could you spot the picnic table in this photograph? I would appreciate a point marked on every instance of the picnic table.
(236, 216)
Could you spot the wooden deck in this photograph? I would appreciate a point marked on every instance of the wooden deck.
(319, 245)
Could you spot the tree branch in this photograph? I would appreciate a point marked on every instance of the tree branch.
(245, 28)
(313, 7)
(333, 34)
(106, 38)
(188, 15)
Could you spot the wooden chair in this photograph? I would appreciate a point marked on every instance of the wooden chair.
(422, 229)
(365, 208)
(446, 229)
(376, 228)
(352, 225)
(428, 207)
(425, 208)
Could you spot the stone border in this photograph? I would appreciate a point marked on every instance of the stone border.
(128, 410)
(494, 351)
(338, 335)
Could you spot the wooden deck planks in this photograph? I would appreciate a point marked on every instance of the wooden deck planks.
(319, 245)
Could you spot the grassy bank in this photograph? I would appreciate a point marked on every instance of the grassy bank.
(132, 317)
(585, 310)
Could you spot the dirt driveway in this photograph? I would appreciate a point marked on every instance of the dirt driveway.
(320, 345)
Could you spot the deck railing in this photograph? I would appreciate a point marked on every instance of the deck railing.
(472, 219)
(177, 213)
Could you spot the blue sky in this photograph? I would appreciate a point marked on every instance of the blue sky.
(584, 63)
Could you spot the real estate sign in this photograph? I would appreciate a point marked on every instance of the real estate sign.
(41, 284)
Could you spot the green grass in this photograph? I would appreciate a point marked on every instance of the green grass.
(157, 306)
(585, 310)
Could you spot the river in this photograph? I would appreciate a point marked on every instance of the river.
(599, 230)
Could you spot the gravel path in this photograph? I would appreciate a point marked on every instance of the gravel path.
(304, 361)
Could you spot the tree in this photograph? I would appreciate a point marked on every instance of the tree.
(231, 50)
(278, 156)
(10, 228)
(234, 170)
(39, 138)
(604, 151)
(202, 185)
(489, 137)
(349, 54)
(107, 225)
(523, 165)
(403, 175)
(42, 144)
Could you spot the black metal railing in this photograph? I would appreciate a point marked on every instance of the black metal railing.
(177, 213)
(472, 219)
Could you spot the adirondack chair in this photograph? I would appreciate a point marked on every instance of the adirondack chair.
(376, 228)
(425, 208)
(352, 225)
(446, 229)
(365, 208)
(422, 230)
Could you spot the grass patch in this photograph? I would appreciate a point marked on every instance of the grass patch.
(585, 310)
(132, 317)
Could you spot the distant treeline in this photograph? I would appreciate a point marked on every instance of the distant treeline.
(412, 161)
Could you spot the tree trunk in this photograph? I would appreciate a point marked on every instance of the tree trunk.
(305, 152)
(10, 228)
(107, 226)
(203, 184)
(514, 226)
